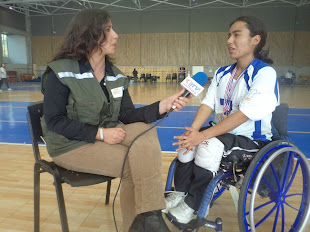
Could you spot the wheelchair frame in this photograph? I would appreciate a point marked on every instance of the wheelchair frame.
(250, 179)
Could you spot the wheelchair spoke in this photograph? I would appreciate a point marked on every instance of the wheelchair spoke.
(292, 195)
(263, 178)
(268, 185)
(267, 215)
(276, 219)
(292, 177)
(261, 206)
(290, 206)
(275, 176)
(288, 165)
(283, 217)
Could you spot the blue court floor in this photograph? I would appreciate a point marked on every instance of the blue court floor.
(14, 128)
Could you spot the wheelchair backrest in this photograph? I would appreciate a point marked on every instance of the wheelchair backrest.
(279, 122)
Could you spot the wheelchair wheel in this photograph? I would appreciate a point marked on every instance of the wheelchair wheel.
(276, 189)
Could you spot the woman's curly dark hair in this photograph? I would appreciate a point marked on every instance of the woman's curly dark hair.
(84, 34)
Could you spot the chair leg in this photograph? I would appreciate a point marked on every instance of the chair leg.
(36, 198)
(61, 206)
(107, 197)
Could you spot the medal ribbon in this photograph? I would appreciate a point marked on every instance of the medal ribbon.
(230, 87)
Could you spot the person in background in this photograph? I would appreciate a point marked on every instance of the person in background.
(135, 75)
(290, 77)
(85, 99)
(242, 97)
(3, 77)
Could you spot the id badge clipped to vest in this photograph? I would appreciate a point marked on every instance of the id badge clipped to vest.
(117, 92)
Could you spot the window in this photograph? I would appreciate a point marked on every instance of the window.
(4, 42)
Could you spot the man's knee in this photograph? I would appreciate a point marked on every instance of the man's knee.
(209, 154)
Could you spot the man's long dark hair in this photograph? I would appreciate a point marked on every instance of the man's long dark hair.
(84, 34)
(256, 27)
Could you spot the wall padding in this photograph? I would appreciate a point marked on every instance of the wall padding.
(184, 49)
(164, 49)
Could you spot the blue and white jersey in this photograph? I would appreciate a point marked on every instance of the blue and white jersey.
(256, 95)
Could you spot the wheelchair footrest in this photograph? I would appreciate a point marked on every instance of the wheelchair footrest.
(196, 223)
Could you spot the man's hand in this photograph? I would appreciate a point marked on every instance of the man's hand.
(189, 139)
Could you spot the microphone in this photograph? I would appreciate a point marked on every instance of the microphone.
(193, 85)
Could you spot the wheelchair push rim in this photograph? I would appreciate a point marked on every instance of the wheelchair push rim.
(284, 197)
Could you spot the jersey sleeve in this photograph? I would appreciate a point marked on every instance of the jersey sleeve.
(261, 99)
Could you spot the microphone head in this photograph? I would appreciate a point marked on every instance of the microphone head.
(201, 78)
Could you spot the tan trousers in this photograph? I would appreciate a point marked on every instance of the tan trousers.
(142, 187)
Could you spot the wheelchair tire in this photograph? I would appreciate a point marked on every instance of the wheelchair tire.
(283, 204)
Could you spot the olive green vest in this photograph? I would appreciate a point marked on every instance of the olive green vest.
(87, 102)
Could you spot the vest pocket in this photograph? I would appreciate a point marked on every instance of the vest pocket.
(71, 112)
(86, 111)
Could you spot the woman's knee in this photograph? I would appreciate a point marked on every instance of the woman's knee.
(209, 154)
(142, 130)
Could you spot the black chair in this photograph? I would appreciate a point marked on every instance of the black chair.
(142, 77)
(154, 78)
(168, 77)
(174, 77)
(61, 175)
(181, 77)
(149, 77)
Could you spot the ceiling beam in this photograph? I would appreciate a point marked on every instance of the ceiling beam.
(260, 3)
(244, 3)
(292, 3)
(50, 7)
(204, 4)
(230, 3)
(60, 7)
(170, 3)
(147, 7)
(110, 4)
(137, 2)
(28, 1)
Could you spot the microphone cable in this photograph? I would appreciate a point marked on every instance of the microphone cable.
(125, 158)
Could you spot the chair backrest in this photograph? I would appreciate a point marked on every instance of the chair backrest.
(279, 121)
(34, 115)
(168, 76)
(174, 76)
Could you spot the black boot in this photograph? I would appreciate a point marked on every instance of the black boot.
(149, 222)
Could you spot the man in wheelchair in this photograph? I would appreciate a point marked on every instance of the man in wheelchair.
(242, 97)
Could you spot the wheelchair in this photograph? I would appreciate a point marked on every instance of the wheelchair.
(274, 187)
